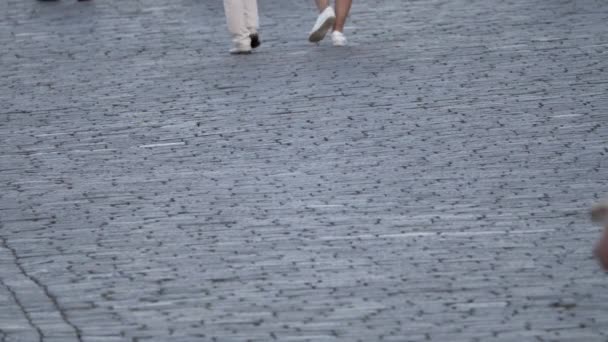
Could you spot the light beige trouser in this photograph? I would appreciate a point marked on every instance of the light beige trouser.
(242, 19)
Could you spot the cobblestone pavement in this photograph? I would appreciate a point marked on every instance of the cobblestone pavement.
(428, 183)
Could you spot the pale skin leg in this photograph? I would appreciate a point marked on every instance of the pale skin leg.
(342, 10)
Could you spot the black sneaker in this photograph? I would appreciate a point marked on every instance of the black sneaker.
(255, 40)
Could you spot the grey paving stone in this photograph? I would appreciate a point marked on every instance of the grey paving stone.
(429, 182)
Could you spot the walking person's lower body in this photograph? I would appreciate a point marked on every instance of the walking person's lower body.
(242, 19)
(329, 19)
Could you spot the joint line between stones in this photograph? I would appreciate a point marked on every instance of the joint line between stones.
(28, 318)
(44, 288)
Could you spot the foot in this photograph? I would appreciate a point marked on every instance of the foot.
(255, 40)
(338, 38)
(241, 46)
(325, 21)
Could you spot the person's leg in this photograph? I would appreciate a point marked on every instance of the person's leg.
(252, 21)
(342, 10)
(322, 5)
(325, 21)
(251, 15)
(235, 17)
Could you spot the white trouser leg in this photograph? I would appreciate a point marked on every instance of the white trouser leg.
(235, 17)
(251, 15)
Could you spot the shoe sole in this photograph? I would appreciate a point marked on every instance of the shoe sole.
(320, 33)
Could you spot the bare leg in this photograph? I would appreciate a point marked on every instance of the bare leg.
(325, 21)
(322, 5)
(342, 10)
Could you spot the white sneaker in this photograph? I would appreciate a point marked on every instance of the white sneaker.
(241, 48)
(236, 51)
(338, 38)
(325, 21)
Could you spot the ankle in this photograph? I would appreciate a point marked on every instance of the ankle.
(322, 9)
